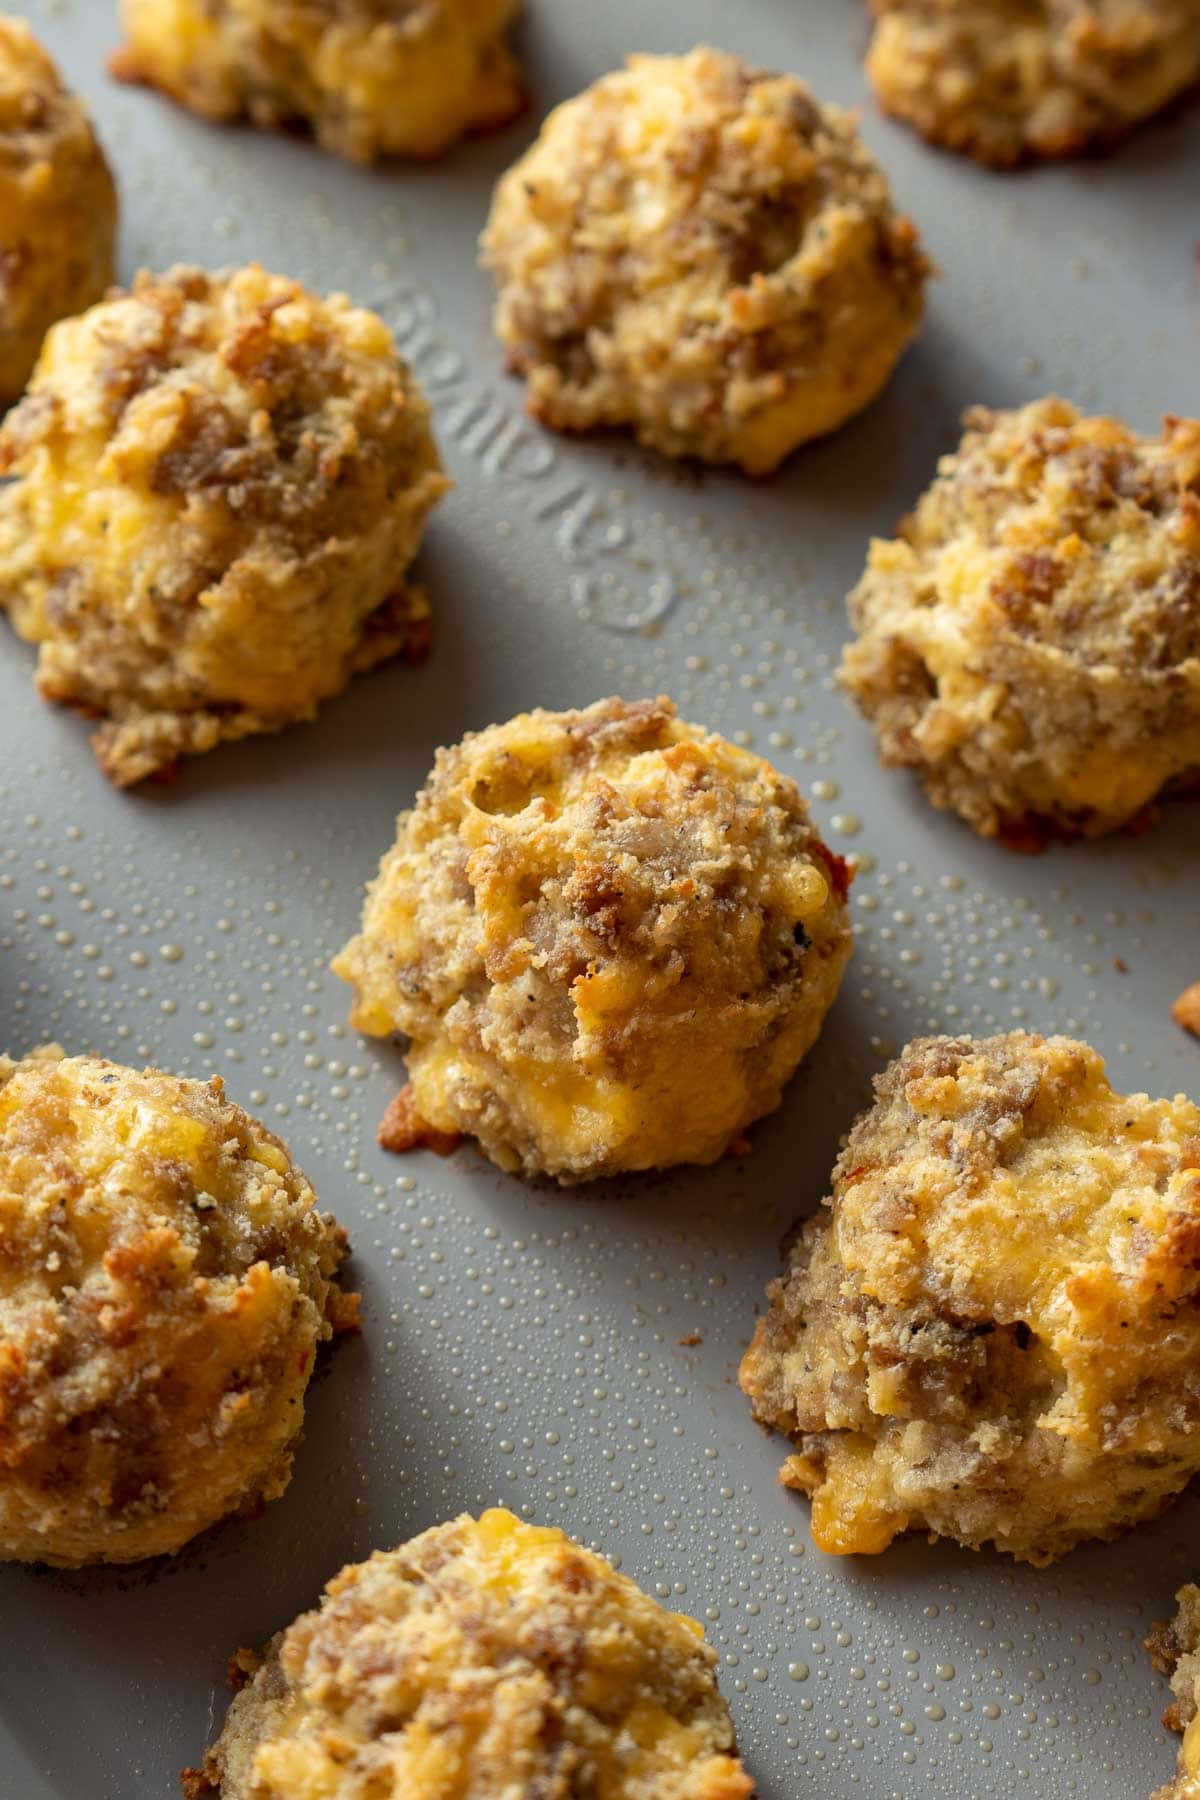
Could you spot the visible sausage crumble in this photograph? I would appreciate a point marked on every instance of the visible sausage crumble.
(1005, 80)
(222, 480)
(991, 1333)
(1029, 643)
(610, 937)
(502, 1651)
(700, 251)
(369, 78)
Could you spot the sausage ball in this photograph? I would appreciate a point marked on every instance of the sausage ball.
(223, 480)
(369, 78)
(58, 205)
(487, 1658)
(1005, 80)
(1175, 1651)
(702, 252)
(165, 1279)
(993, 1332)
(1030, 643)
(609, 936)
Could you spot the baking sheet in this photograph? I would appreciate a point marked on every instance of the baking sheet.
(523, 1345)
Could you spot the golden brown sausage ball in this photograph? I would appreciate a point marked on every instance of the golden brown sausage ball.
(165, 1279)
(609, 936)
(700, 251)
(1175, 1651)
(1030, 643)
(1004, 80)
(993, 1332)
(370, 78)
(223, 480)
(58, 205)
(484, 1659)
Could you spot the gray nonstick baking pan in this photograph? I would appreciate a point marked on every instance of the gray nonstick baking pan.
(524, 1345)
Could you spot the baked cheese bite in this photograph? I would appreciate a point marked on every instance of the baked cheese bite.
(991, 1332)
(609, 937)
(701, 252)
(1175, 1651)
(58, 204)
(1009, 80)
(369, 78)
(165, 1281)
(221, 482)
(485, 1659)
(1029, 643)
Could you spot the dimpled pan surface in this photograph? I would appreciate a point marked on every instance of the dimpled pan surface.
(523, 1345)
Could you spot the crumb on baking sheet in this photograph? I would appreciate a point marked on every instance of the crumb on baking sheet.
(1186, 1010)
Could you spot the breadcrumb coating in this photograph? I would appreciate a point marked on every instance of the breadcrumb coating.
(485, 1659)
(223, 479)
(702, 252)
(992, 1333)
(1006, 80)
(165, 1279)
(1175, 1651)
(370, 78)
(1030, 642)
(58, 204)
(610, 937)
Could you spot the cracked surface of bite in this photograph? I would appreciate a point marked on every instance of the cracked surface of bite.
(222, 480)
(58, 205)
(610, 936)
(370, 78)
(1029, 643)
(702, 252)
(1007, 80)
(165, 1280)
(991, 1332)
(484, 1659)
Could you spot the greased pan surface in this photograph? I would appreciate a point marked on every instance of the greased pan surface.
(524, 1345)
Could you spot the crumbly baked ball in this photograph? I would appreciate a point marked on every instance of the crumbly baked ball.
(993, 1334)
(485, 1659)
(1004, 80)
(1175, 1651)
(609, 936)
(370, 78)
(165, 1279)
(58, 204)
(223, 480)
(702, 252)
(1030, 643)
